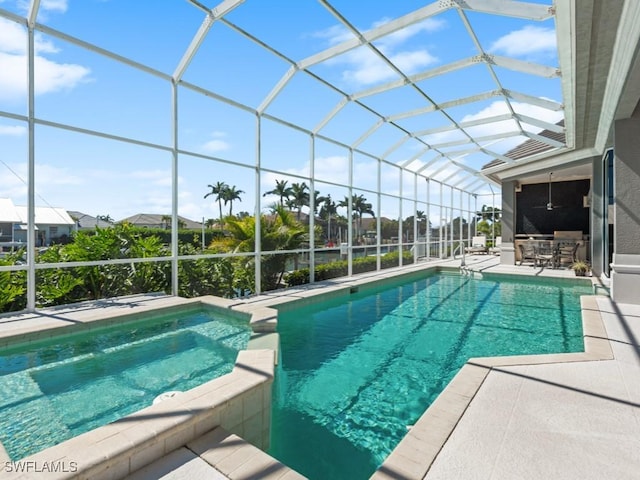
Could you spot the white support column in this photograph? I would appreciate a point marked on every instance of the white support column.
(400, 239)
(350, 217)
(451, 250)
(312, 208)
(31, 189)
(461, 237)
(379, 209)
(428, 239)
(415, 218)
(258, 218)
(440, 249)
(174, 189)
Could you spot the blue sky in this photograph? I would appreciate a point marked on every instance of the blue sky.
(77, 87)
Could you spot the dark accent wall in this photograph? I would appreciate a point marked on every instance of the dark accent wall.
(569, 213)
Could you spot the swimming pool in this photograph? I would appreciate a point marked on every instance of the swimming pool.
(354, 374)
(56, 389)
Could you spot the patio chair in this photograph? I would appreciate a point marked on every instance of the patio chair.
(546, 254)
(478, 245)
(527, 253)
(566, 253)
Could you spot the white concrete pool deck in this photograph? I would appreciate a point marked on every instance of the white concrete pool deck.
(559, 416)
(564, 420)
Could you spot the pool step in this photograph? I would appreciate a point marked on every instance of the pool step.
(216, 455)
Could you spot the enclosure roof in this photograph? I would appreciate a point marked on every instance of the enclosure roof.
(438, 88)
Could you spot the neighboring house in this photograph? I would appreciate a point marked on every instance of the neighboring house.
(87, 222)
(8, 218)
(152, 220)
(51, 223)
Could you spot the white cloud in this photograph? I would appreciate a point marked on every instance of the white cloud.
(59, 6)
(527, 41)
(13, 182)
(160, 178)
(54, 5)
(50, 76)
(214, 146)
(334, 35)
(49, 179)
(398, 37)
(217, 144)
(364, 67)
(13, 130)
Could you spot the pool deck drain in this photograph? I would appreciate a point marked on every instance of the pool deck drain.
(560, 416)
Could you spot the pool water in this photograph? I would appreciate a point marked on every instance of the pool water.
(54, 390)
(354, 374)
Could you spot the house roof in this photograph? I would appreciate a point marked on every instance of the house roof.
(530, 147)
(10, 213)
(85, 221)
(154, 219)
(46, 216)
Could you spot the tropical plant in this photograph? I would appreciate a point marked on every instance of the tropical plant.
(56, 286)
(489, 229)
(204, 276)
(279, 231)
(580, 268)
(281, 190)
(488, 213)
(218, 189)
(12, 284)
(299, 197)
(230, 195)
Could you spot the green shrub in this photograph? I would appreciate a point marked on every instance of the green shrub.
(340, 268)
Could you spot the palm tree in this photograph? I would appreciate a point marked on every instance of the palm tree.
(317, 200)
(230, 195)
(281, 190)
(218, 190)
(421, 217)
(328, 210)
(359, 207)
(299, 197)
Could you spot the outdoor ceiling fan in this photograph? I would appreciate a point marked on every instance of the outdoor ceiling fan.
(549, 206)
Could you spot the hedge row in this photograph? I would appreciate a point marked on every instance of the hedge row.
(340, 268)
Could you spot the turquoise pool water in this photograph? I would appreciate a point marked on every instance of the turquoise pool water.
(51, 391)
(354, 373)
